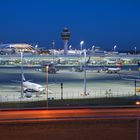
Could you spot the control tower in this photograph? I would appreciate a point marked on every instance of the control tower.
(65, 34)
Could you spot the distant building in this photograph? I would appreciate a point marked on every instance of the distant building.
(96, 50)
(22, 47)
(18, 47)
(74, 52)
(112, 53)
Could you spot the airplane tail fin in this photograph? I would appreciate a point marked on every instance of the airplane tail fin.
(23, 78)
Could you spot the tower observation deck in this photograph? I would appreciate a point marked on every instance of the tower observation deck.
(65, 34)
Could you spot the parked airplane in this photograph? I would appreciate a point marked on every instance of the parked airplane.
(30, 86)
(111, 62)
(33, 87)
(113, 70)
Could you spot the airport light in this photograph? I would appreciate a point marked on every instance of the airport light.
(135, 48)
(81, 45)
(115, 48)
(135, 87)
(138, 104)
(70, 46)
(22, 92)
(53, 46)
(47, 68)
(85, 88)
(93, 48)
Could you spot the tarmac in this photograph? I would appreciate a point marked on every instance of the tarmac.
(98, 84)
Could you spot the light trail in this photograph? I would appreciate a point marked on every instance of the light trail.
(70, 114)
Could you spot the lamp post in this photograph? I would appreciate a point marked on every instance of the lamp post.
(47, 67)
(53, 45)
(70, 46)
(139, 68)
(135, 48)
(21, 58)
(85, 92)
(81, 45)
(93, 48)
(139, 72)
(36, 48)
(135, 87)
(137, 103)
(61, 91)
(115, 48)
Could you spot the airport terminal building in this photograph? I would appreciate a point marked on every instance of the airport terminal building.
(16, 48)
(10, 55)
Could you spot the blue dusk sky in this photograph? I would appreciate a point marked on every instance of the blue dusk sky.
(103, 23)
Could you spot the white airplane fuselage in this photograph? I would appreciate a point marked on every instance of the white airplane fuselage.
(33, 86)
(111, 62)
(113, 70)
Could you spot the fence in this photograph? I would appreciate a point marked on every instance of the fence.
(69, 94)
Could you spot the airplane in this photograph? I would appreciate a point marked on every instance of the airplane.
(111, 62)
(29, 86)
(113, 70)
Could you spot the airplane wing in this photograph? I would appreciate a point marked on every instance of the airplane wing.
(16, 81)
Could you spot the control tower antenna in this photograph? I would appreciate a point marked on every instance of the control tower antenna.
(65, 34)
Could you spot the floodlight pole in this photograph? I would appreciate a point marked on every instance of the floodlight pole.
(47, 67)
(139, 68)
(61, 91)
(85, 92)
(137, 122)
(53, 45)
(135, 87)
(137, 103)
(81, 45)
(22, 91)
(135, 48)
(115, 48)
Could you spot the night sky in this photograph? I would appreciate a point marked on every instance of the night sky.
(103, 23)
